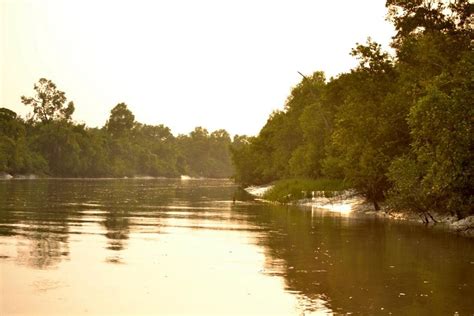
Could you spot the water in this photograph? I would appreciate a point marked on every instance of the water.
(174, 247)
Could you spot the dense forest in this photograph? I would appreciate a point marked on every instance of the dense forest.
(50, 143)
(398, 126)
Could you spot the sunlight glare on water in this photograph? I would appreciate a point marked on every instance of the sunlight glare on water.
(172, 247)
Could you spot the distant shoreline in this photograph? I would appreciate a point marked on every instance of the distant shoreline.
(8, 177)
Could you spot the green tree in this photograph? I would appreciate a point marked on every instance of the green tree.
(157, 155)
(434, 53)
(121, 121)
(204, 154)
(316, 123)
(246, 161)
(289, 143)
(16, 156)
(221, 165)
(49, 102)
(438, 172)
(366, 136)
(122, 149)
(57, 142)
(420, 17)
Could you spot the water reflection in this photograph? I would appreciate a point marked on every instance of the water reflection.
(171, 239)
(45, 233)
(42, 250)
(117, 224)
(365, 265)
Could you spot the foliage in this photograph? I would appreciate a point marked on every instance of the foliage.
(121, 121)
(283, 147)
(436, 63)
(204, 154)
(438, 175)
(420, 17)
(49, 102)
(398, 126)
(365, 136)
(52, 144)
(15, 154)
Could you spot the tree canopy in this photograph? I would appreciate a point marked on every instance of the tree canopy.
(49, 102)
(397, 126)
(50, 143)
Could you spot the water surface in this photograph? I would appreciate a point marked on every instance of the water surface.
(171, 247)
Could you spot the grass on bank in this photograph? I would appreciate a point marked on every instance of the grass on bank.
(295, 189)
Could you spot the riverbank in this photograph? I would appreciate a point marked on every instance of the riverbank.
(464, 227)
(349, 202)
(7, 176)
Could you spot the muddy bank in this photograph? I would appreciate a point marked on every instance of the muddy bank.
(464, 227)
(350, 202)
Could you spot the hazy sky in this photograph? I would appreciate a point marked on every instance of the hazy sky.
(182, 63)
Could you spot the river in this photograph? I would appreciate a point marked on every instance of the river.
(172, 247)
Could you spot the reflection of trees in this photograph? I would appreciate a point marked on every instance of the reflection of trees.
(362, 266)
(117, 224)
(43, 210)
(195, 192)
(44, 250)
(47, 232)
(30, 209)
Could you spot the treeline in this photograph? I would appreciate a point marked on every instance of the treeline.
(50, 143)
(395, 126)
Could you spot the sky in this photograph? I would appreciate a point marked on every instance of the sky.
(181, 63)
